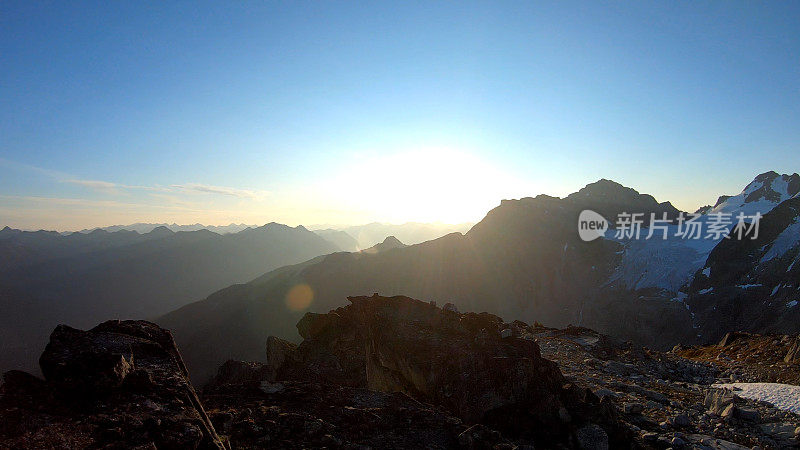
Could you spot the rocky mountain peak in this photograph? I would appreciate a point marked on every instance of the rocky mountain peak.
(762, 194)
(773, 187)
(389, 243)
(393, 241)
(605, 190)
(610, 198)
(161, 230)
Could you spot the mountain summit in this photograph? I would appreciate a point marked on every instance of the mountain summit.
(762, 194)
(389, 243)
(610, 198)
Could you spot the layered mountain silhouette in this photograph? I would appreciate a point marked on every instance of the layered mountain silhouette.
(47, 278)
(148, 227)
(410, 233)
(361, 237)
(340, 239)
(524, 261)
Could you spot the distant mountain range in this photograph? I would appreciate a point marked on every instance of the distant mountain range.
(144, 270)
(409, 233)
(79, 279)
(525, 261)
(148, 227)
(359, 237)
(349, 238)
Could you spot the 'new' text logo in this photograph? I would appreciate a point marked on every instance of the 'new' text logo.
(591, 225)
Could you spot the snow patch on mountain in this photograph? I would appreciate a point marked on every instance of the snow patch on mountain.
(662, 263)
(672, 262)
(782, 396)
(785, 241)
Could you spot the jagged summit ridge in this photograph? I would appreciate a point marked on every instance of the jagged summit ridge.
(762, 194)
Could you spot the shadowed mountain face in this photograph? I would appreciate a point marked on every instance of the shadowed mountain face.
(524, 261)
(752, 285)
(80, 279)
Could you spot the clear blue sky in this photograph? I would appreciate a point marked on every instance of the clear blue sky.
(312, 112)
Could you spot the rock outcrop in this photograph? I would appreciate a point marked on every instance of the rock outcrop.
(121, 384)
(471, 365)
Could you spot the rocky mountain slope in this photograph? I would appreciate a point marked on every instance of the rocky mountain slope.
(752, 285)
(746, 357)
(394, 372)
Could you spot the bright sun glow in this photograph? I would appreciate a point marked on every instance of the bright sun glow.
(428, 185)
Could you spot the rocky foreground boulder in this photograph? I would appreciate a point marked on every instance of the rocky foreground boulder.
(471, 366)
(121, 384)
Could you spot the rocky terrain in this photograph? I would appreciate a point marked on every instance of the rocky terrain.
(747, 357)
(118, 385)
(394, 372)
(668, 398)
(639, 398)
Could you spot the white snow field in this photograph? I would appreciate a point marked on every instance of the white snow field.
(783, 396)
(671, 263)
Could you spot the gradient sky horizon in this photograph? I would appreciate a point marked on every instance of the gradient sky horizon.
(352, 112)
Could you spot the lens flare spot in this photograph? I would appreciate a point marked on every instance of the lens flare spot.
(299, 297)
